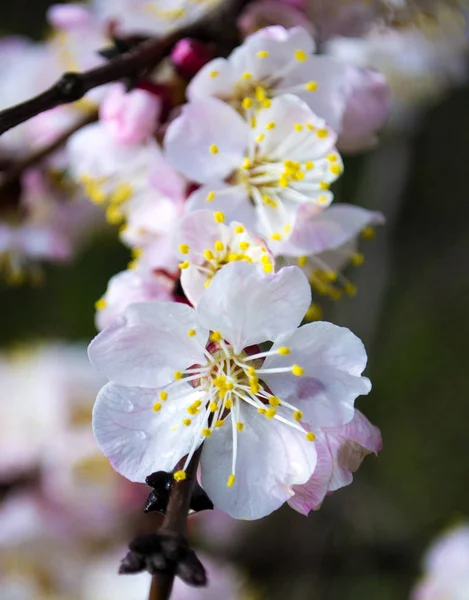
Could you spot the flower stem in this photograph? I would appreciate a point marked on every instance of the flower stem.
(175, 521)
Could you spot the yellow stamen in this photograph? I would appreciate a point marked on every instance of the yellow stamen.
(310, 437)
(210, 197)
(163, 396)
(219, 246)
(297, 370)
(263, 53)
(100, 304)
(219, 216)
(239, 426)
(206, 432)
(184, 265)
(208, 254)
(247, 103)
(231, 480)
(179, 475)
(283, 350)
(300, 55)
(297, 415)
(157, 406)
(311, 86)
(184, 249)
(214, 149)
(177, 375)
(215, 336)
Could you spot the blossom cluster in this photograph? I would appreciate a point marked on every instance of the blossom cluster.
(218, 168)
(226, 204)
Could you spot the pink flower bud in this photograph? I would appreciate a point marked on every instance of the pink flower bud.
(189, 56)
(130, 117)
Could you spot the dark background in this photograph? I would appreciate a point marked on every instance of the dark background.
(411, 310)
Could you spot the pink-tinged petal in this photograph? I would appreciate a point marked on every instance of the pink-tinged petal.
(367, 109)
(248, 306)
(333, 359)
(207, 140)
(148, 344)
(271, 458)
(232, 201)
(41, 242)
(69, 16)
(216, 78)
(310, 495)
(263, 13)
(129, 287)
(329, 229)
(131, 117)
(349, 445)
(138, 439)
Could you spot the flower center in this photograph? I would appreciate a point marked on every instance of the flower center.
(227, 384)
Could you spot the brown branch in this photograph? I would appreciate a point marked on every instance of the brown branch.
(175, 522)
(217, 26)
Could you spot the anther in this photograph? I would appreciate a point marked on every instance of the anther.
(246, 76)
(186, 422)
(210, 196)
(219, 246)
(270, 412)
(297, 370)
(300, 55)
(208, 254)
(322, 133)
(177, 375)
(239, 229)
(297, 415)
(184, 265)
(283, 350)
(247, 103)
(157, 406)
(239, 426)
(163, 396)
(274, 401)
(184, 249)
(270, 125)
(179, 475)
(298, 127)
(277, 237)
(311, 86)
(263, 53)
(231, 480)
(302, 261)
(191, 332)
(219, 216)
(215, 336)
(213, 406)
(213, 149)
(336, 169)
(246, 164)
(244, 245)
(100, 304)
(310, 437)
(206, 432)
(214, 74)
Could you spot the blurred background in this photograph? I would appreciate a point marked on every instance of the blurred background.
(411, 309)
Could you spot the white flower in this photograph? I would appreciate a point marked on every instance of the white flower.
(206, 244)
(276, 61)
(180, 377)
(258, 172)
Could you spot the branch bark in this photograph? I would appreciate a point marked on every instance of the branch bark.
(218, 26)
(175, 521)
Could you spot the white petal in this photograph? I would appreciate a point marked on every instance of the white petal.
(333, 359)
(284, 141)
(329, 229)
(206, 83)
(232, 201)
(249, 307)
(148, 344)
(272, 457)
(204, 124)
(138, 440)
